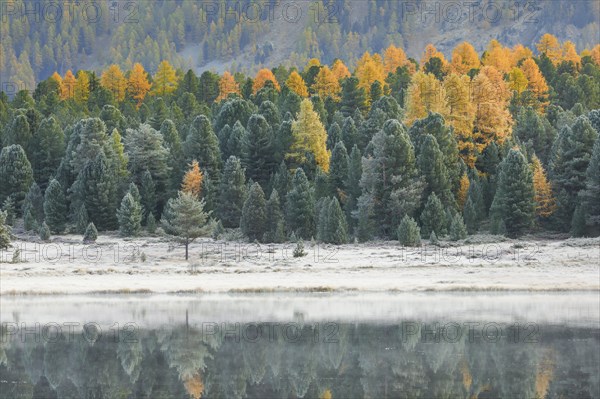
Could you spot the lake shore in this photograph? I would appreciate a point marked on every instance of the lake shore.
(153, 265)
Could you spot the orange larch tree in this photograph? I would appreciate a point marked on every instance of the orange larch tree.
(261, 79)
(393, 58)
(138, 84)
(326, 84)
(464, 58)
(550, 46)
(340, 70)
(296, 84)
(544, 200)
(227, 86)
(461, 114)
(192, 180)
(431, 52)
(68, 86)
(113, 80)
(536, 83)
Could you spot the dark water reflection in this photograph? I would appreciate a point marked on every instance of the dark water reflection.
(269, 356)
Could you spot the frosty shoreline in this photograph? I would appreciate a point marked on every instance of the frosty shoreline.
(153, 265)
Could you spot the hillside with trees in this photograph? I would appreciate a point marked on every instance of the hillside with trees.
(504, 141)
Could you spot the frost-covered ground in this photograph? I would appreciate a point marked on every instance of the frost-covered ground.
(482, 263)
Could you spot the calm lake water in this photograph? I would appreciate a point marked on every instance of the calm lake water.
(429, 345)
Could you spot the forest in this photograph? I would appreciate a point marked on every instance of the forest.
(505, 141)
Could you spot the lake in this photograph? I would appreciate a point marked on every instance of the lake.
(371, 345)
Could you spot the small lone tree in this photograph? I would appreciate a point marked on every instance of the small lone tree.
(184, 219)
(130, 216)
(44, 232)
(4, 232)
(409, 233)
(91, 234)
(458, 230)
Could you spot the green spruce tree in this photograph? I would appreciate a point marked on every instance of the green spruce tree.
(254, 214)
(129, 215)
(55, 207)
(232, 193)
(409, 233)
(433, 217)
(300, 206)
(16, 175)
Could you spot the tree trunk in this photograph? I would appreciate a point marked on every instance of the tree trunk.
(186, 250)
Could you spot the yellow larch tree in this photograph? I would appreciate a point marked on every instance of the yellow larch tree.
(112, 79)
(368, 70)
(58, 80)
(138, 84)
(498, 56)
(393, 58)
(464, 58)
(309, 135)
(463, 190)
(569, 53)
(192, 180)
(544, 200)
(550, 46)
(227, 86)
(340, 70)
(461, 114)
(431, 52)
(261, 79)
(517, 81)
(595, 54)
(326, 84)
(520, 52)
(68, 86)
(312, 62)
(425, 94)
(194, 385)
(491, 96)
(165, 79)
(536, 83)
(296, 84)
(81, 92)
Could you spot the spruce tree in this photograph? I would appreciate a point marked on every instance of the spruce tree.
(47, 150)
(235, 142)
(44, 232)
(321, 183)
(30, 223)
(16, 175)
(431, 165)
(9, 208)
(353, 97)
(433, 217)
(129, 215)
(590, 196)
(409, 233)
(458, 230)
(254, 214)
(578, 227)
(274, 220)
(300, 206)
(470, 216)
(147, 195)
(334, 134)
(281, 182)
(34, 203)
(350, 135)
(91, 234)
(332, 227)
(514, 200)
(338, 170)
(258, 155)
(202, 145)
(4, 232)
(185, 220)
(135, 193)
(232, 193)
(82, 219)
(151, 224)
(55, 207)
(352, 184)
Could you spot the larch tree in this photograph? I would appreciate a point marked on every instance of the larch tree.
(202, 145)
(326, 84)
(114, 81)
(490, 98)
(262, 77)
(432, 52)
(192, 180)
(461, 114)
(68, 86)
(517, 80)
(498, 56)
(81, 91)
(545, 204)
(309, 137)
(296, 84)
(340, 70)
(425, 94)
(463, 190)
(464, 58)
(368, 71)
(185, 220)
(393, 58)
(165, 79)
(138, 85)
(569, 54)
(536, 83)
(227, 86)
(59, 81)
(550, 46)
